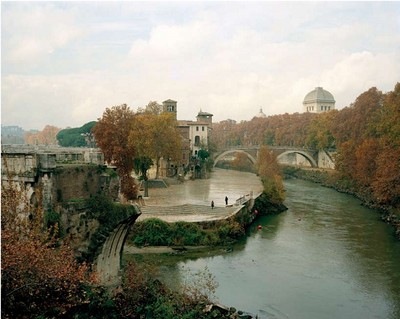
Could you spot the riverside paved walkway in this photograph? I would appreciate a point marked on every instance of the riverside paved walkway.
(190, 201)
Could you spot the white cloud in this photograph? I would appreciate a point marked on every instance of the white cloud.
(360, 71)
(31, 34)
(215, 57)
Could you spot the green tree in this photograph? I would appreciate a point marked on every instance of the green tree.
(76, 137)
(203, 154)
(141, 165)
(111, 133)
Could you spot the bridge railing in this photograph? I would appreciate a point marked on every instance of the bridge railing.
(242, 199)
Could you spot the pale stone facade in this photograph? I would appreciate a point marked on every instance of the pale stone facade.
(318, 101)
(194, 137)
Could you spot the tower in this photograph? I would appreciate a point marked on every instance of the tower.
(170, 106)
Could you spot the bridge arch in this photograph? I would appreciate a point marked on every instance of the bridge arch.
(222, 155)
(307, 156)
(108, 262)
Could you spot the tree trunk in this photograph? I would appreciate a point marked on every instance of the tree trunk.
(158, 167)
(146, 188)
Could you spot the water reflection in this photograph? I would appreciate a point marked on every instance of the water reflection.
(326, 257)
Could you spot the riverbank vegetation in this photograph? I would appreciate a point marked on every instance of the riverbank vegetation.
(155, 232)
(41, 277)
(364, 135)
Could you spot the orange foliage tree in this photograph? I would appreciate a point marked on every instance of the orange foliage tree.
(111, 133)
(386, 185)
(48, 136)
(319, 131)
(270, 174)
(39, 275)
(241, 162)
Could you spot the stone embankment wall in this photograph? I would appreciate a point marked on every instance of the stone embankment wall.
(70, 186)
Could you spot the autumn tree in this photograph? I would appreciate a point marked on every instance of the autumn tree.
(386, 185)
(270, 174)
(39, 275)
(353, 123)
(241, 162)
(48, 136)
(319, 134)
(111, 133)
(155, 136)
(152, 108)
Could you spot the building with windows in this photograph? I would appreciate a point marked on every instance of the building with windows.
(318, 101)
(170, 106)
(195, 134)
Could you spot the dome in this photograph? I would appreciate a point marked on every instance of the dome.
(319, 95)
(261, 114)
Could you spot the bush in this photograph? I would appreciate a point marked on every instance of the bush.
(152, 232)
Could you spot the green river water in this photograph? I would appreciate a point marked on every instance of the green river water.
(326, 257)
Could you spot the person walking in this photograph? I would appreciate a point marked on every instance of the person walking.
(212, 204)
(226, 200)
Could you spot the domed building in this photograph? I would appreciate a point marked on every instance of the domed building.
(261, 114)
(318, 100)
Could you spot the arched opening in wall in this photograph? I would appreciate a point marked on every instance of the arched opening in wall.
(296, 158)
(232, 155)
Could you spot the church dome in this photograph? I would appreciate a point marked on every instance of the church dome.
(261, 114)
(319, 95)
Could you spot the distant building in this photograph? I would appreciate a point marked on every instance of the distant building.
(195, 135)
(204, 117)
(12, 134)
(261, 114)
(197, 131)
(170, 106)
(318, 101)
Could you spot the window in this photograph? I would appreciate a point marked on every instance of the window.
(202, 128)
(197, 140)
(197, 128)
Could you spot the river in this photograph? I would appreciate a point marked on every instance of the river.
(326, 257)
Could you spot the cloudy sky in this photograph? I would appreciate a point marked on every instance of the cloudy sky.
(63, 63)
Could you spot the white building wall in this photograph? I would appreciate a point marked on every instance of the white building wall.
(200, 130)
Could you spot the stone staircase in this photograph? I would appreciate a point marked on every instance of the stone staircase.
(187, 212)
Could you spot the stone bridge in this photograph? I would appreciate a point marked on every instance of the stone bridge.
(108, 262)
(295, 156)
(65, 178)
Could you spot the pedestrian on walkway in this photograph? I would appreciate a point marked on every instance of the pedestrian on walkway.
(226, 200)
(212, 204)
